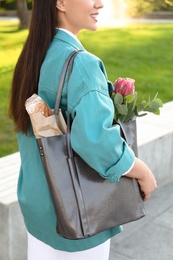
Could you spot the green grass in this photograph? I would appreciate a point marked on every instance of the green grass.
(11, 42)
(142, 52)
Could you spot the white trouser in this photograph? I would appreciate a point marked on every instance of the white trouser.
(38, 250)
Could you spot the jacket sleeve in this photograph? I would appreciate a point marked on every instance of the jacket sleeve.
(92, 135)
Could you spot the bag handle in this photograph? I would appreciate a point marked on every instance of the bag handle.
(67, 67)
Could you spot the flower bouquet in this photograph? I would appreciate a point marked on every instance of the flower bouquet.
(126, 104)
(127, 108)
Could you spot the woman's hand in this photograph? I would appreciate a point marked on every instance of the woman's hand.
(144, 176)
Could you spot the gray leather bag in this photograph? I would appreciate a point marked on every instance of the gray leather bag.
(85, 203)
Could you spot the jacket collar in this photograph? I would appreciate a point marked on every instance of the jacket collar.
(65, 37)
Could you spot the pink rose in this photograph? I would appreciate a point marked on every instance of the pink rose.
(124, 86)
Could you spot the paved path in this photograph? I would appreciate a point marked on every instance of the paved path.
(113, 22)
(13, 19)
(150, 238)
(124, 22)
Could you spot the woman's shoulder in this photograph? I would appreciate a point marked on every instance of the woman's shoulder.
(90, 66)
(85, 57)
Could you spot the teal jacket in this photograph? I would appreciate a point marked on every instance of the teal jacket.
(92, 136)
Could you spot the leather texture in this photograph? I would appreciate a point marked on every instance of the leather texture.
(85, 203)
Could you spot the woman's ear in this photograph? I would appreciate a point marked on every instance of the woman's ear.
(60, 5)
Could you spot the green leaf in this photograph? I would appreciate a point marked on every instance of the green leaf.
(159, 101)
(129, 98)
(118, 99)
(157, 112)
(131, 106)
(112, 96)
(122, 109)
(153, 107)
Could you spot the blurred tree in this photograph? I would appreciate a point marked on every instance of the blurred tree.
(22, 7)
(22, 12)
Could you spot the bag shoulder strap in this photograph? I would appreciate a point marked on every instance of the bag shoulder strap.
(68, 65)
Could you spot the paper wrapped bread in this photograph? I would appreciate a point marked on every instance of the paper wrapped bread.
(44, 122)
(36, 104)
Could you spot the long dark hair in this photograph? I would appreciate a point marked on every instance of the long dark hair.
(26, 73)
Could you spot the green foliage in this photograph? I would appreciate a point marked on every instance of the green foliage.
(11, 4)
(142, 52)
(170, 2)
(128, 108)
(138, 7)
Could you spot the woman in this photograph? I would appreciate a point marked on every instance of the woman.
(38, 70)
